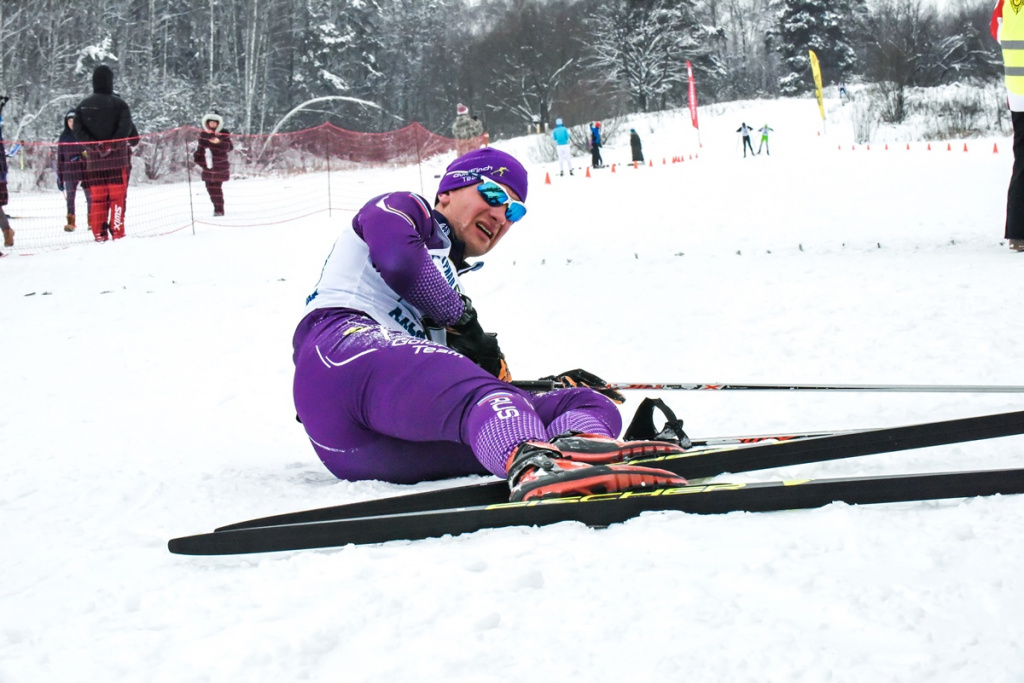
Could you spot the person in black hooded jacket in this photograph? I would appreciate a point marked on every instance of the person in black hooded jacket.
(104, 122)
(5, 225)
(70, 168)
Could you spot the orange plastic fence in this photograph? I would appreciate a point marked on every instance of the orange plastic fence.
(272, 179)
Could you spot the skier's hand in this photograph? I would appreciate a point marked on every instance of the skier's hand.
(582, 378)
(468, 338)
(60, 184)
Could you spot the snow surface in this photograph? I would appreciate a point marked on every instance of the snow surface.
(147, 394)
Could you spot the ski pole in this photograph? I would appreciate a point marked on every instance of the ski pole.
(550, 385)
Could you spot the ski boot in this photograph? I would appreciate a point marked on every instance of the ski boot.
(70, 225)
(538, 470)
(596, 449)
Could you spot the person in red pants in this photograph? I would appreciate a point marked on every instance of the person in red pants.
(104, 122)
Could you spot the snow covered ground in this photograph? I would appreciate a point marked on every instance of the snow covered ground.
(146, 395)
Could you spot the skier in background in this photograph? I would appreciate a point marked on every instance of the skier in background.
(396, 380)
(561, 137)
(216, 170)
(744, 130)
(764, 130)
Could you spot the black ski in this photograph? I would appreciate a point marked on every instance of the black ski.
(695, 464)
(603, 509)
(484, 493)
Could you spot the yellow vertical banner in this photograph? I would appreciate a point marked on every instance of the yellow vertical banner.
(816, 70)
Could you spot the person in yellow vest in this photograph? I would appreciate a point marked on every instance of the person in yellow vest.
(1007, 26)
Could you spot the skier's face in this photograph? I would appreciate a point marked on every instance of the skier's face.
(475, 222)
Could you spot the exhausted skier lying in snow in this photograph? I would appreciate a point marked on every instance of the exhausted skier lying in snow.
(396, 380)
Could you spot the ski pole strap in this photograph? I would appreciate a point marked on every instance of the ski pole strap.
(547, 385)
(642, 428)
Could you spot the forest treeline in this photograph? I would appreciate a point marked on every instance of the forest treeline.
(375, 65)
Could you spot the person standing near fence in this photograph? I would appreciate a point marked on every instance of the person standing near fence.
(465, 128)
(1007, 27)
(71, 169)
(216, 166)
(103, 121)
(5, 224)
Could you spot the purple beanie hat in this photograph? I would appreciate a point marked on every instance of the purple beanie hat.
(499, 166)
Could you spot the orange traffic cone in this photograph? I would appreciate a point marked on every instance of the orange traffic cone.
(965, 146)
(547, 178)
(613, 168)
(995, 148)
(650, 162)
(908, 146)
(588, 171)
(887, 147)
(949, 146)
(663, 162)
(634, 165)
(929, 146)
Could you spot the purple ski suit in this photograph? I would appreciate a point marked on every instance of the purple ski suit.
(377, 397)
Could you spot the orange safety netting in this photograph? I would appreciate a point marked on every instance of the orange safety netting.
(271, 179)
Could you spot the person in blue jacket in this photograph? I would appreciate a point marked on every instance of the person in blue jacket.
(595, 145)
(561, 137)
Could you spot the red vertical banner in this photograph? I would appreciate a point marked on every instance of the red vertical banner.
(692, 95)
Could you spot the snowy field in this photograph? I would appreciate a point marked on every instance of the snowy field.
(147, 394)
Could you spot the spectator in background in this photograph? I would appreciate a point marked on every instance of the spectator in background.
(71, 168)
(561, 137)
(635, 146)
(595, 145)
(5, 225)
(104, 122)
(465, 129)
(212, 156)
(1007, 27)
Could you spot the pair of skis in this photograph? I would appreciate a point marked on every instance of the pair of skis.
(465, 509)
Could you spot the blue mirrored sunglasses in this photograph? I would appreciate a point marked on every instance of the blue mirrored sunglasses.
(495, 195)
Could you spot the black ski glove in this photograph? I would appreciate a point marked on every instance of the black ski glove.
(582, 378)
(468, 338)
